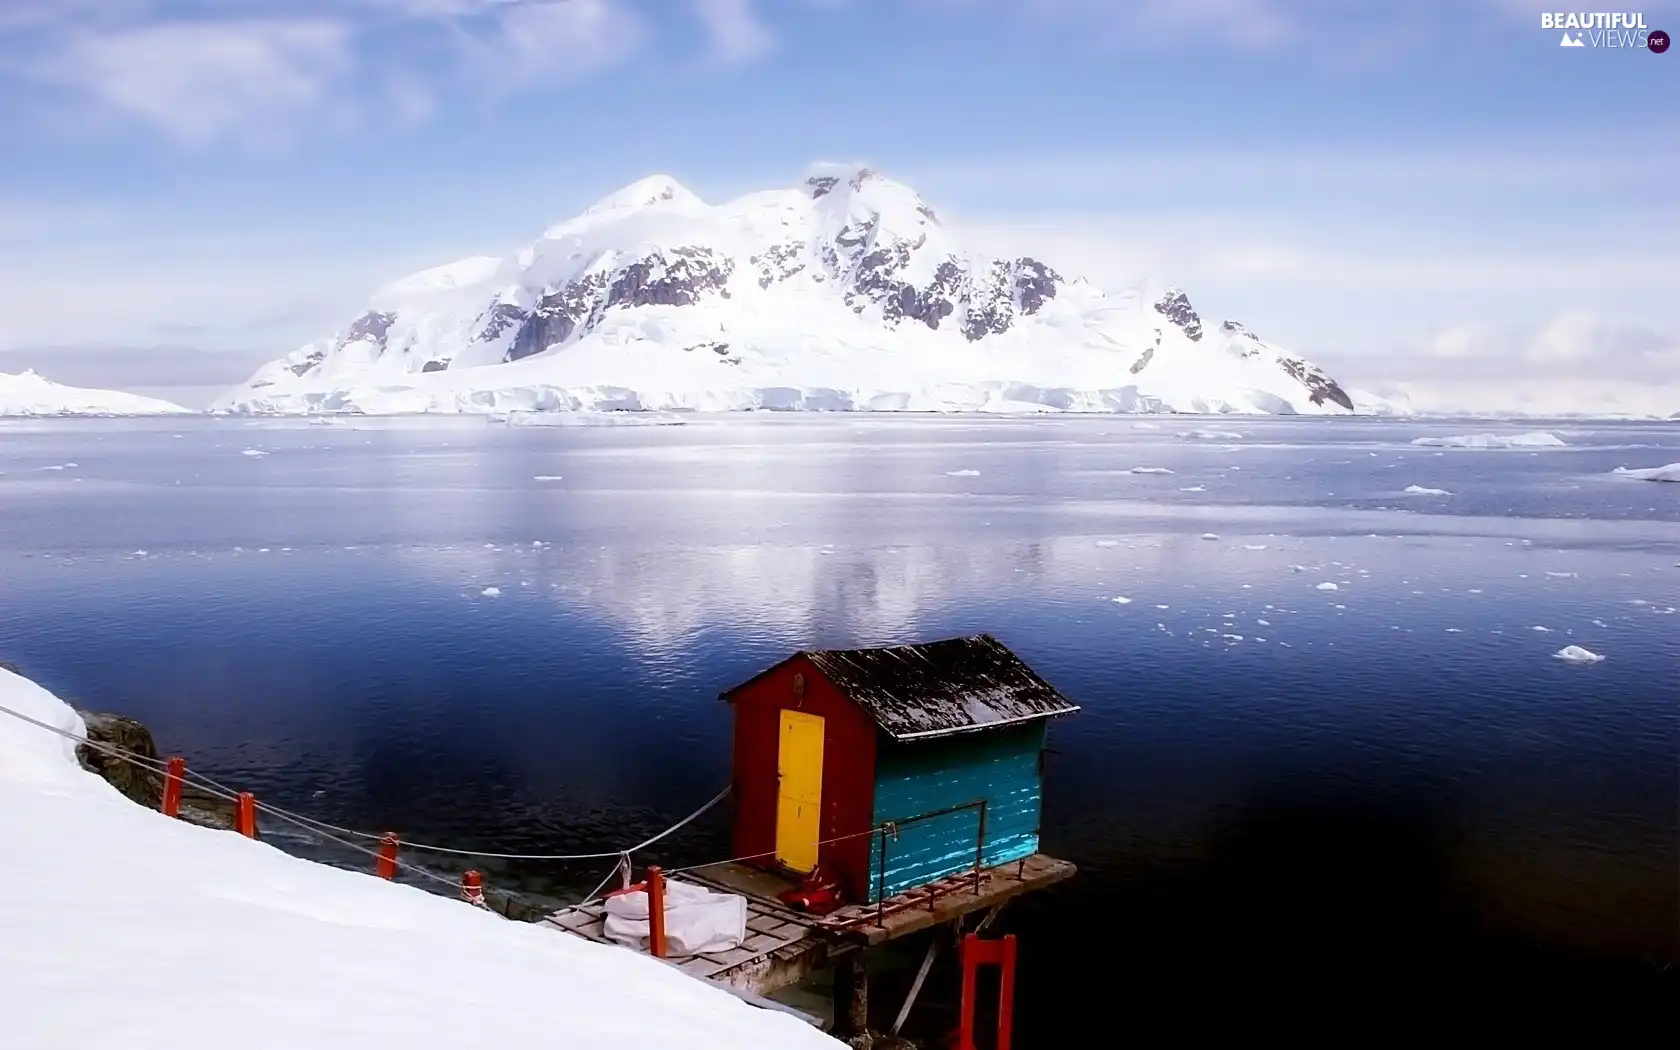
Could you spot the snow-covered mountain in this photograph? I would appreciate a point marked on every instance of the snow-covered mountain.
(28, 394)
(843, 292)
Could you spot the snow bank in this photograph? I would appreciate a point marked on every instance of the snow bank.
(29, 394)
(1671, 472)
(134, 929)
(1532, 439)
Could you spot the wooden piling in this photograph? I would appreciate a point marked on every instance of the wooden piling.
(472, 888)
(245, 814)
(172, 781)
(656, 911)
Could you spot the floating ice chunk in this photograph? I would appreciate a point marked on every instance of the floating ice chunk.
(1297, 568)
(1264, 623)
(1532, 439)
(1328, 586)
(140, 554)
(1210, 535)
(253, 452)
(1149, 470)
(1575, 654)
(1212, 435)
(1419, 490)
(1145, 426)
(1120, 599)
(1108, 543)
(1455, 630)
(548, 477)
(1193, 488)
(1562, 575)
(1542, 630)
(1671, 472)
(1254, 546)
(1163, 607)
(491, 592)
(963, 473)
(1232, 637)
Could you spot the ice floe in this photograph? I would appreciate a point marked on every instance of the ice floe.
(1575, 654)
(1670, 472)
(1531, 439)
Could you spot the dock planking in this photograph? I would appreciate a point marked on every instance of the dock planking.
(784, 946)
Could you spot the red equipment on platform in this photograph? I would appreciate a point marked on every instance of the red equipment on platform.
(386, 865)
(1001, 953)
(817, 894)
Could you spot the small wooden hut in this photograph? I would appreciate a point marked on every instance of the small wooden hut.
(887, 769)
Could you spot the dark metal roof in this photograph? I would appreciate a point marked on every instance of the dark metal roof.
(916, 692)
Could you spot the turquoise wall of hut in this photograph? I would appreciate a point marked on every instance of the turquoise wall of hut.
(1001, 766)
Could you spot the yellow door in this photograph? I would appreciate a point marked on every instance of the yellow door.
(799, 764)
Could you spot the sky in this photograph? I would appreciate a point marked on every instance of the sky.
(1424, 192)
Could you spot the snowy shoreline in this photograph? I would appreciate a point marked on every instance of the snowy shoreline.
(218, 940)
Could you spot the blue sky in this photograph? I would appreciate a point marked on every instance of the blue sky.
(1419, 181)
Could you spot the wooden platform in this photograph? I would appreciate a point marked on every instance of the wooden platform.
(783, 946)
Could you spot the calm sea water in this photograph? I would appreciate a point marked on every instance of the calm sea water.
(1392, 787)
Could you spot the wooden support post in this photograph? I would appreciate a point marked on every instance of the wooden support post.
(472, 888)
(851, 996)
(656, 911)
(386, 866)
(172, 781)
(245, 814)
(976, 952)
(916, 985)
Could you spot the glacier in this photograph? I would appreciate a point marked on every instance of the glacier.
(29, 394)
(843, 292)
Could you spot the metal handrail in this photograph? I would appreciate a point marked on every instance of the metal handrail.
(891, 828)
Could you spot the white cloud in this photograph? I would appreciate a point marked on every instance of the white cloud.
(1578, 362)
(526, 42)
(251, 70)
(1242, 24)
(1573, 344)
(198, 81)
(736, 33)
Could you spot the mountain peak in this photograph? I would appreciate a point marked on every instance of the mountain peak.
(656, 192)
(843, 291)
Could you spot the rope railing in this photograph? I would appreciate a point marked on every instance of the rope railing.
(341, 836)
(385, 854)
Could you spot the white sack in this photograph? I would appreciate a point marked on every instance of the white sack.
(696, 919)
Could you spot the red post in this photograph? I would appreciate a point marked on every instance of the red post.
(472, 888)
(386, 866)
(656, 911)
(976, 952)
(172, 786)
(245, 814)
(1006, 994)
